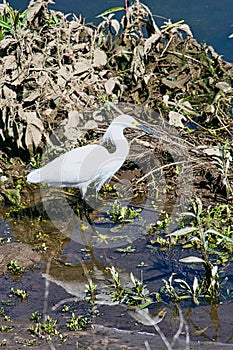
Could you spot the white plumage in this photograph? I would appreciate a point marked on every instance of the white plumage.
(89, 164)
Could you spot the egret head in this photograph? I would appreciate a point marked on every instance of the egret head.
(122, 122)
(125, 121)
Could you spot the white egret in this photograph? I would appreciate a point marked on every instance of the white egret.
(90, 164)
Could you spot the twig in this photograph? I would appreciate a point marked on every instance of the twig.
(163, 337)
(183, 324)
(46, 293)
(159, 169)
(147, 345)
(64, 301)
(166, 47)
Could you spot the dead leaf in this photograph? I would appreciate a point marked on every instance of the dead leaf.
(150, 41)
(109, 85)
(35, 7)
(9, 93)
(7, 42)
(116, 26)
(176, 118)
(32, 96)
(214, 151)
(9, 62)
(38, 59)
(34, 129)
(23, 253)
(178, 83)
(91, 124)
(186, 105)
(63, 76)
(82, 65)
(100, 58)
(185, 28)
(221, 85)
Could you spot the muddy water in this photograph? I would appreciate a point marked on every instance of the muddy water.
(63, 266)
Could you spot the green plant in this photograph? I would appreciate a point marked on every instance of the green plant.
(36, 316)
(126, 250)
(13, 196)
(211, 230)
(66, 308)
(14, 268)
(10, 20)
(110, 11)
(5, 328)
(161, 224)
(184, 289)
(136, 294)
(222, 162)
(118, 289)
(22, 294)
(46, 328)
(122, 214)
(35, 161)
(77, 323)
(91, 291)
(108, 190)
(2, 312)
(208, 287)
(53, 19)
(200, 238)
(3, 342)
(4, 316)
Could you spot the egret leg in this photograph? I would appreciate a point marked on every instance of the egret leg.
(85, 210)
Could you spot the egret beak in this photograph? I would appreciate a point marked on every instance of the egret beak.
(148, 130)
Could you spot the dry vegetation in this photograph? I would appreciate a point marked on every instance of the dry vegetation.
(52, 66)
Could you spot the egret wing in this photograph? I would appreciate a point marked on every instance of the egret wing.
(66, 169)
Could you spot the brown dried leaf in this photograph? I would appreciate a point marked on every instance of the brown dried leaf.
(100, 58)
(9, 62)
(150, 41)
(2, 135)
(71, 130)
(221, 85)
(91, 124)
(9, 93)
(178, 83)
(32, 96)
(109, 85)
(63, 76)
(32, 118)
(176, 118)
(38, 59)
(7, 42)
(79, 47)
(34, 129)
(116, 25)
(82, 65)
(185, 28)
(35, 7)
(42, 78)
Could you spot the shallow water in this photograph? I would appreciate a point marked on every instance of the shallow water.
(68, 265)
